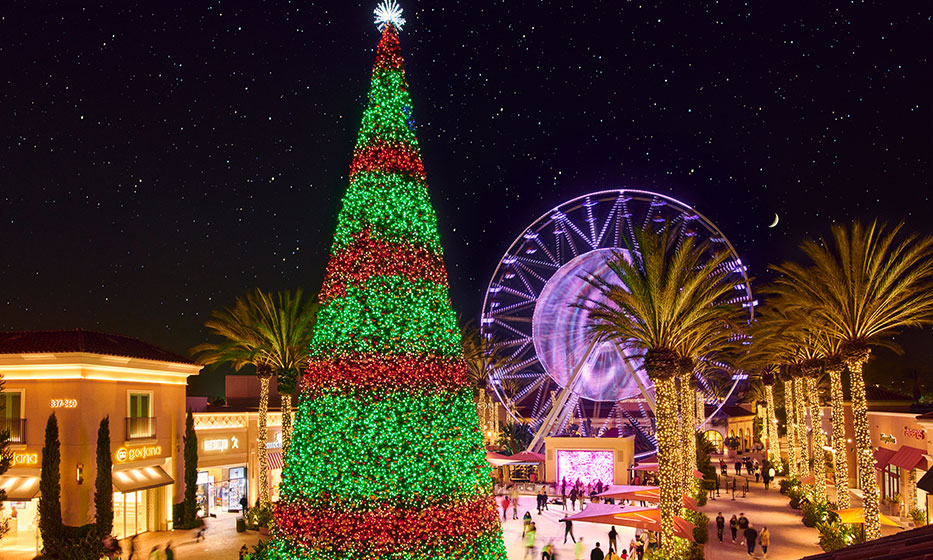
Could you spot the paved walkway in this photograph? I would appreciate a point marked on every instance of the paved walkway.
(790, 539)
(222, 542)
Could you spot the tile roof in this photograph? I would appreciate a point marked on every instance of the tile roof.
(876, 394)
(80, 340)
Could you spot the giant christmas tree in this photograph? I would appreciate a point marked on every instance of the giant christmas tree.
(386, 458)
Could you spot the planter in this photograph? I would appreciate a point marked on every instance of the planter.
(263, 530)
(731, 453)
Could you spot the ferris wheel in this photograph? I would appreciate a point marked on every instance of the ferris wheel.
(555, 376)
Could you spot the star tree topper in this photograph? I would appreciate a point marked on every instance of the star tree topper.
(388, 12)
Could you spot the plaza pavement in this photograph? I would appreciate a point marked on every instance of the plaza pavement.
(221, 542)
(789, 538)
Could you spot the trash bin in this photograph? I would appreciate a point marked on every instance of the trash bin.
(240, 525)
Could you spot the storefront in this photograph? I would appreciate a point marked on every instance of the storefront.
(21, 485)
(83, 377)
(228, 459)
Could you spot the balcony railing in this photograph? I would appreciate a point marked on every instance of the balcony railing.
(17, 429)
(140, 428)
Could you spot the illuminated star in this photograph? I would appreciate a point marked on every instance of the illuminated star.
(388, 12)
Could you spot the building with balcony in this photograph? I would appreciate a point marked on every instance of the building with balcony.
(81, 377)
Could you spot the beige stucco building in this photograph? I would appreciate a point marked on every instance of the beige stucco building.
(81, 377)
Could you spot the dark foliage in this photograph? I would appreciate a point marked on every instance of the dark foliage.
(50, 487)
(103, 484)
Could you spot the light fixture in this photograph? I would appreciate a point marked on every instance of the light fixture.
(79, 473)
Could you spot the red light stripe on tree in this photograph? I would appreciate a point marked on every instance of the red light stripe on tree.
(367, 373)
(385, 530)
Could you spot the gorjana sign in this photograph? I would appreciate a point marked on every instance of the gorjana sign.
(125, 454)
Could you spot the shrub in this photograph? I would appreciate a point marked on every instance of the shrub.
(732, 442)
(708, 484)
(260, 551)
(259, 516)
(835, 535)
(814, 512)
(700, 534)
(702, 497)
(919, 518)
(74, 543)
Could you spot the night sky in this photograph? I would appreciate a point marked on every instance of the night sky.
(159, 159)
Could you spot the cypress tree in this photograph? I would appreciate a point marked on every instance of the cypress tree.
(50, 487)
(103, 485)
(191, 472)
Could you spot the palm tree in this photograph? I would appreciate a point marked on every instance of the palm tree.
(658, 297)
(270, 334)
(863, 284)
(286, 325)
(774, 448)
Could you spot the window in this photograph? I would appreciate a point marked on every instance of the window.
(11, 415)
(139, 420)
(892, 482)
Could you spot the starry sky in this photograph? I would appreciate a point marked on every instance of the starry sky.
(158, 159)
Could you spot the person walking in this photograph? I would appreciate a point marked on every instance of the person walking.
(757, 468)
(513, 495)
(720, 525)
(538, 501)
(244, 505)
(639, 549)
(597, 553)
(743, 525)
(764, 539)
(573, 498)
(578, 549)
(751, 538)
(505, 507)
(169, 551)
(738, 468)
(734, 527)
(530, 536)
(568, 528)
(613, 538)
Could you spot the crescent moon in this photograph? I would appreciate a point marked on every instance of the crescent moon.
(776, 220)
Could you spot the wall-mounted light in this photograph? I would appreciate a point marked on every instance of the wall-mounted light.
(79, 474)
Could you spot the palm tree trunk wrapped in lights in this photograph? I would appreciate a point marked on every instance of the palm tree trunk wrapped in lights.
(818, 438)
(265, 375)
(863, 451)
(840, 453)
(792, 456)
(286, 423)
(687, 430)
(669, 457)
(774, 449)
(800, 391)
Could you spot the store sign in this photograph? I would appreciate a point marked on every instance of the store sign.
(276, 443)
(125, 454)
(914, 433)
(221, 444)
(888, 438)
(63, 403)
(25, 458)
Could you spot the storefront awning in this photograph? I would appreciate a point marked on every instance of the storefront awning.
(907, 457)
(21, 486)
(882, 457)
(274, 459)
(140, 478)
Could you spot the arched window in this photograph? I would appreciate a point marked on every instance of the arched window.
(716, 439)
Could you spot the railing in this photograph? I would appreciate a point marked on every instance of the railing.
(140, 428)
(17, 427)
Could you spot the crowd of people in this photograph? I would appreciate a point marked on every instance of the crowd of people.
(763, 473)
(741, 529)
